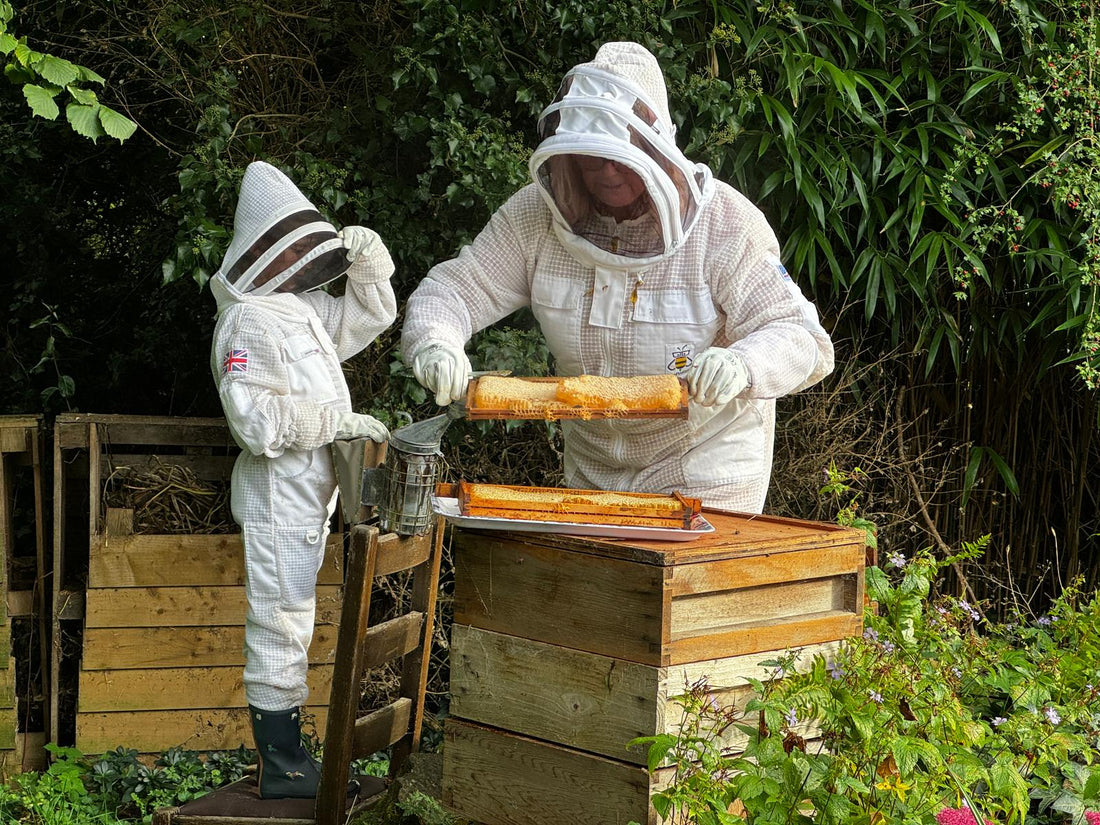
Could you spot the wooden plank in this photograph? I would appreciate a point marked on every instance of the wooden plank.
(55, 585)
(150, 560)
(496, 778)
(7, 729)
(583, 700)
(157, 730)
(192, 606)
(30, 751)
(749, 637)
(397, 553)
(348, 670)
(68, 604)
(391, 639)
(15, 439)
(152, 430)
(414, 672)
(377, 731)
(179, 688)
(571, 599)
(7, 686)
(20, 604)
(698, 615)
(726, 574)
(95, 489)
(591, 702)
(120, 521)
(205, 467)
(736, 535)
(123, 648)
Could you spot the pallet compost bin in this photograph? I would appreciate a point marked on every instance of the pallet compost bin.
(22, 647)
(565, 648)
(148, 627)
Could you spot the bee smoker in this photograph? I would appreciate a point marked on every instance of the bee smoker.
(400, 487)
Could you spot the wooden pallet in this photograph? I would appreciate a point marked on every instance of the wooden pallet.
(23, 540)
(159, 617)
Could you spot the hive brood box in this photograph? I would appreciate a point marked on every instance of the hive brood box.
(23, 539)
(149, 627)
(565, 648)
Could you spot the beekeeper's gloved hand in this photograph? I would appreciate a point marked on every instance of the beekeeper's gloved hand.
(445, 370)
(717, 377)
(358, 241)
(356, 425)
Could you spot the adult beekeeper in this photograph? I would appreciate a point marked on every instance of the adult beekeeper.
(634, 261)
(276, 356)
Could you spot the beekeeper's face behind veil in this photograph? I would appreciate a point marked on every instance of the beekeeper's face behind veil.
(607, 155)
(281, 243)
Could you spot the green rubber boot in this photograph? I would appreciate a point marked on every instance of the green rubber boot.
(287, 770)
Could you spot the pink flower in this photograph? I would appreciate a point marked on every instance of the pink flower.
(960, 816)
(1092, 817)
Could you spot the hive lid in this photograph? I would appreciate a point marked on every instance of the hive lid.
(736, 535)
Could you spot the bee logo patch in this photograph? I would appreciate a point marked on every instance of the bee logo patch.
(680, 358)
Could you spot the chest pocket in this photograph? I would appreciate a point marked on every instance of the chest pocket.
(308, 370)
(557, 305)
(673, 326)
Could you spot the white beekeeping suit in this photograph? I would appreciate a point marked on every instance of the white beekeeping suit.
(276, 360)
(634, 261)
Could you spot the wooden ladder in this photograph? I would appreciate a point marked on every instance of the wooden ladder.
(359, 647)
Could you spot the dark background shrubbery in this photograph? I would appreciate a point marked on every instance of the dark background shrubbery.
(859, 128)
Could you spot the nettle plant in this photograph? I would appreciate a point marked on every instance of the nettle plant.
(932, 709)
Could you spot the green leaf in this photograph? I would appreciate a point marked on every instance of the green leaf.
(81, 95)
(84, 120)
(58, 71)
(978, 85)
(7, 43)
(121, 127)
(88, 76)
(41, 101)
(1007, 476)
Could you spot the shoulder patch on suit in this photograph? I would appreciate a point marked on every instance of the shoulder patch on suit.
(778, 266)
(236, 360)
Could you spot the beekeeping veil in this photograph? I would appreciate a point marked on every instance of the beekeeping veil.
(616, 108)
(281, 243)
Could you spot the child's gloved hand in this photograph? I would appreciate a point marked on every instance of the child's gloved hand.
(357, 240)
(357, 425)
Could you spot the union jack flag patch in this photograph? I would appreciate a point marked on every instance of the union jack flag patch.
(235, 361)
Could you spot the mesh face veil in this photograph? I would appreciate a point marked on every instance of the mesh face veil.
(281, 243)
(604, 137)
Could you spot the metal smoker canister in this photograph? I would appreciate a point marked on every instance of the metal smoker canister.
(411, 469)
(401, 488)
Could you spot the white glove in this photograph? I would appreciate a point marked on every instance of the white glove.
(357, 240)
(443, 369)
(717, 377)
(356, 425)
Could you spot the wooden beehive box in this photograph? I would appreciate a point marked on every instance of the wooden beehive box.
(565, 648)
(23, 540)
(148, 626)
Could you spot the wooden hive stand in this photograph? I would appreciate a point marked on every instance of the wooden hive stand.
(359, 648)
(564, 648)
(23, 541)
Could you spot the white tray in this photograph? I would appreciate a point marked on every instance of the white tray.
(448, 508)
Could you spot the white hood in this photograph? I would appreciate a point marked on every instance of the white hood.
(616, 108)
(281, 243)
